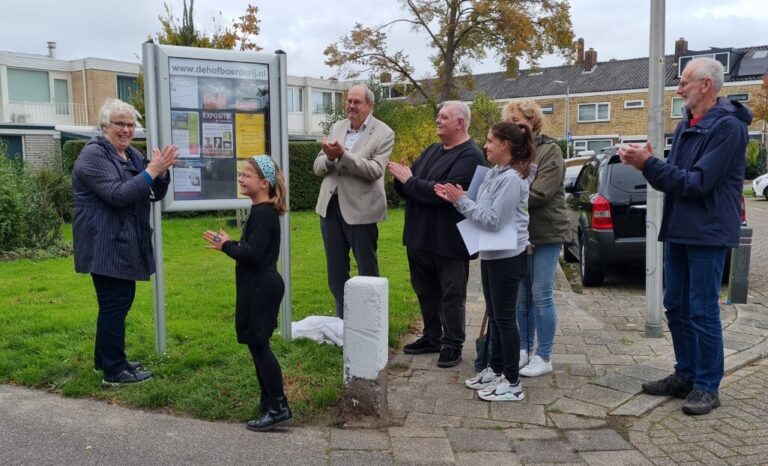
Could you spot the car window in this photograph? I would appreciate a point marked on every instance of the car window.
(627, 178)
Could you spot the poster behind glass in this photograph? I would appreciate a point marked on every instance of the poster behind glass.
(219, 117)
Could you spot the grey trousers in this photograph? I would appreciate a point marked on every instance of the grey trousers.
(338, 238)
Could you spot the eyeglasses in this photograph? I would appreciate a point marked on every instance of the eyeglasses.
(684, 84)
(123, 125)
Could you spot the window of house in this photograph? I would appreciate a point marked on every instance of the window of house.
(677, 107)
(630, 104)
(61, 96)
(594, 112)
(324, 101)
(295, 99)
(668, 142)
(28, 86)
(127, 88)
(548, 109)
(591, 144)
(722, 57)
(739, 97)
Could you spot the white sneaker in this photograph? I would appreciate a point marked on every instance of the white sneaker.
(538, 366)
(483, 379)
(523, 359)
(504, 391)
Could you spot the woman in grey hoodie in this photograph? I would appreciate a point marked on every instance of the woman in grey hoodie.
(501, 200)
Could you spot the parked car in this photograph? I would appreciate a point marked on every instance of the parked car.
(606, 208)
(760, 186)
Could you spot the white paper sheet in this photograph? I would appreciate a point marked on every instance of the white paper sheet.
(477, 238)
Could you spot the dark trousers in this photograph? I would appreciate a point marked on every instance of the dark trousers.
(268, 371)
(440, 284)
(501, 280)
(338, 238)
(115, 297)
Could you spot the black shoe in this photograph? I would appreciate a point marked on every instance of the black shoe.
(277, 413)
(671, 385)
(701, 402)
(126, 377)
(132, 366)
(449, 357)
(422, 345)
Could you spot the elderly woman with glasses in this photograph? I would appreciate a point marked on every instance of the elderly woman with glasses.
(113, 185)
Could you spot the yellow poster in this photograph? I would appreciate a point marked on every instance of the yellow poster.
(250, 132)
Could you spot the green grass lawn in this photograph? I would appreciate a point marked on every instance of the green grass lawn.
(48, 318)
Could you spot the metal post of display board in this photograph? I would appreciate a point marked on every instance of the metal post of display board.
(219, 108)
(285, 222)
(151, 126)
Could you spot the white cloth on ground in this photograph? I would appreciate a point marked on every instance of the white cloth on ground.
(322, 329)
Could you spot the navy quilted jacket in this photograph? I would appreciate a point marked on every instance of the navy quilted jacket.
(112, 236)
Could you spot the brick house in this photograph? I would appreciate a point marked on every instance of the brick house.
(608, 101)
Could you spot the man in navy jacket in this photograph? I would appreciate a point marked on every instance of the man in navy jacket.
(702, 181)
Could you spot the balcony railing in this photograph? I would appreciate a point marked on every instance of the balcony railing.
(48, 113)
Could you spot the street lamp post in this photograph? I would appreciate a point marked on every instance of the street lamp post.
(567, 110)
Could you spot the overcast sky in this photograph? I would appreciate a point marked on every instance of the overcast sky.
(303, 28)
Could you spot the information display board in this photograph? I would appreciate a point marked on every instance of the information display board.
(219, 108)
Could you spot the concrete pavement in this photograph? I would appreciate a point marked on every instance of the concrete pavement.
(588, 411)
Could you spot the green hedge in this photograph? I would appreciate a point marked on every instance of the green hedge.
(756, 160)
(304, 184)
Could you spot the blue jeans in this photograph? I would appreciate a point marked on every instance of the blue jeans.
(536, 311)
(693, 275)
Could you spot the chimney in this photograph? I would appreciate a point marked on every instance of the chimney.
(580, 51)
(681, 46)
(385, 77)
(513, 68)
(52, 49)
(590, 59)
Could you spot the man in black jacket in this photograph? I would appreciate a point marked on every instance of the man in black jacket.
(437, 257)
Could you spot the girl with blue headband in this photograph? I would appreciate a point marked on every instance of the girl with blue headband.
(259, 287)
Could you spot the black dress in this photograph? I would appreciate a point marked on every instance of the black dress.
(259, 286)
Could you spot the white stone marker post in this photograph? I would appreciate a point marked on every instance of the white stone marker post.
(366, 346)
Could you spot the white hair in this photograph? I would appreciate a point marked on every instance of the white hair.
(708, 68)
(115, 108)
(460, 108)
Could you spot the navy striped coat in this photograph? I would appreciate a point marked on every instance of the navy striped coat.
(111, 231)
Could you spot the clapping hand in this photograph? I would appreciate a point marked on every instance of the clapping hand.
(332, 150)
(216, 240)
(449, 192)
(162, 160)
(401, 172)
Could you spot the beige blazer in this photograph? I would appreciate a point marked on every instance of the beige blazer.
(358, 175)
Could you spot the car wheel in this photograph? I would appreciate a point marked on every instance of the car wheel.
(765, 194)
(569, 257)
(592, 273)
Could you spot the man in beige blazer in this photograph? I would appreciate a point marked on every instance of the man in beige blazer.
(352, 200)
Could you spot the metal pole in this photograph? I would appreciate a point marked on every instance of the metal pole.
(567, 120)
(567, 112)
(653, 248)
(285, 220)
(152, 128)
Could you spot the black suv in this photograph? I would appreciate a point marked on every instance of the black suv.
(606, 208)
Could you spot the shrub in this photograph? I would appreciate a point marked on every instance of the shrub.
(28, 216)
(756, 163)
